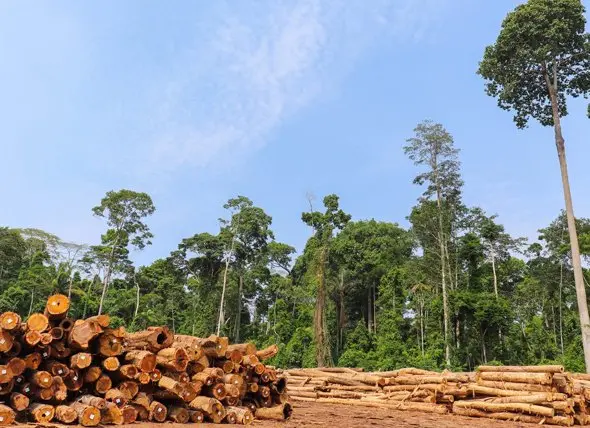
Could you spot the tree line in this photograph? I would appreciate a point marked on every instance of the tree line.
(453, 290)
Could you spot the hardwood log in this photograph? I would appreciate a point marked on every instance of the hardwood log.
(530, 378)
(211, 407)
(10, 321)
(41, 413)
(82, 333)
(515, 417)
(103, 384)
(157, 412)
(7, 415)
(505, 407)
(278, 413)
(515, 386)
(196, 416)
(173, 359)
(57, 307)
(65, 414)
(40, 378)
(59, 389)
(66, 325)
(152, 339)
(112, 414)
(18, 401)
(145, 361)
(114, 395)
(267, 353)
(92, 400)
(128, 371)
(57, 333)
(37, 322)
(74, 380)
(243, 415)
(32, 337)
(111, 364)
(522, 369)
(129, 389)
(16, 366)
(130, 414)
(102, 320)
(80, 360)
(178, 414)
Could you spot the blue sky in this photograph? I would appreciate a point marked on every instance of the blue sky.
(195, 102)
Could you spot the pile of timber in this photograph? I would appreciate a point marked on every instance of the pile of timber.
(536, 394)
(54, 368)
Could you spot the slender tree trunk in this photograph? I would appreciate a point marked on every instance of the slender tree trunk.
(494, 270)
(571, 222)
(323, 354)
(31, 304)
(221, 318)
(560, 305)
(374, 309)
(239, 309)
(107, 276)
(369, 311)
(422, 328)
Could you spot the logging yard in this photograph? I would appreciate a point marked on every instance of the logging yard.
(56, 370)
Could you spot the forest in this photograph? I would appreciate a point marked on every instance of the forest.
(362, 293)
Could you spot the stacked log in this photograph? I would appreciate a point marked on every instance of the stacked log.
(537, 394)
(54, 368)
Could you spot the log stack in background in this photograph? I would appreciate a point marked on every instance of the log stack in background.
(537, 394)
(53, 368)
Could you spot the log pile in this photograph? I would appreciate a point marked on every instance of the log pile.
(53, 368)
(536, 394)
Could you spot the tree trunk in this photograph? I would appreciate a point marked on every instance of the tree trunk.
(369, 312)
(494, 270)
(571, 223)
(560, 305)
(239, 309)
(323, 354)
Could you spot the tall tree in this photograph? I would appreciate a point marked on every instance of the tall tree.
(124, 212)
(324, 225)
(432, 147)
(541, 56)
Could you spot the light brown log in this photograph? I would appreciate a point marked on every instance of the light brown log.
(182, 377)
(114, 395)
(111, 364)
(18, 401)
(142, 412)
(57, 307)
(128, 371)
(250, 360)
(155, 375)
(102, 320)
(537, 398)
(173, 359)
(37, 322)
(143, 399)
(92, 400)
(235, 356)
(46, 339)
(110, 342)
(505, 407)
(112, 414)
(129, 389)
(145, 361)
(158, 412)
(515, 386)
(231, 390)
(244, 348)
(231, 401)
(530, 378)
(522, 369)
(515, 417)
(41, 413)
(278, 413)
(82, 333)
(103, 384)
(216, 390)
(267, 353)
(189, 392)
(230, 417)
(152, 339)
(10, 321)
(73, 380)
(243, 415)
(143, 378)
(16, 366)
(130, 414)
(80, 360)
(65, 414)
(196, 416)
(178, 414)
(40, 378)
(59, 389)
(226, 365)
(7, 415)
(212, 408)
(32, 337)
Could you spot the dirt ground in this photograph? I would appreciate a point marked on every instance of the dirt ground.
(322, 415)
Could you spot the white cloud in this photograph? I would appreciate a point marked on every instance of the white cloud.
(251, 69)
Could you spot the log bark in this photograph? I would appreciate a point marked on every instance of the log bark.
(515, 417)
(267, 353)
(82, 333)
(505, 407)
(530, 378)
(175, 359)
(92, 400)
(243, 415)
(522, 369)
